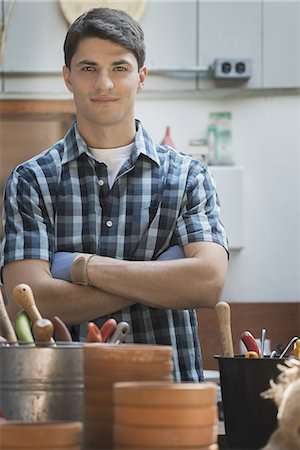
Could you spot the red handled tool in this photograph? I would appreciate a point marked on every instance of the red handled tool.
(107, 329)
(250, 342)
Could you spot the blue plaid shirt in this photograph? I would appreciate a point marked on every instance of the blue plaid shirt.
(60, 201)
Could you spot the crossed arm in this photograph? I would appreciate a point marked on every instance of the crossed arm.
(191, 282)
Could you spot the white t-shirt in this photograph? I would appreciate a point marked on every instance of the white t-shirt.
(114, 159)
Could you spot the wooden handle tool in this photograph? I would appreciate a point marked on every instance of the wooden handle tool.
(43, 330)
(23, 294)
(224, 321)
(61, 332)
(5, 324)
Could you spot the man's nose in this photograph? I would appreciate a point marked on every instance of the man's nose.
(103, 80)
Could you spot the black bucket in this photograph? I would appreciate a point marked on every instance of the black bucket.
(249, 419)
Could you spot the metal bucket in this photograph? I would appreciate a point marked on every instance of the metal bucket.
(42, 383)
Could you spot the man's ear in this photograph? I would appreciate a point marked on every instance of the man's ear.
(67, 78)
(142, 75)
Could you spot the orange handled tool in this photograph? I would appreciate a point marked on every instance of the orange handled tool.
(93, 333)
(297, 349)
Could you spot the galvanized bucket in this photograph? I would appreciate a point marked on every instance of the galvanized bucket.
(42, 383)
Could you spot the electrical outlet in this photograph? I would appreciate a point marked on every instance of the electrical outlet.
(232, 68)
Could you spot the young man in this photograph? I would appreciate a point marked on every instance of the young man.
(112, 211)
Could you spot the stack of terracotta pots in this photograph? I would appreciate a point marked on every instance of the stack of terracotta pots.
(106, 364)
(156, 415)
(17, 435)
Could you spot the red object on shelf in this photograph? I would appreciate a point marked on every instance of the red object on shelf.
(167, 140)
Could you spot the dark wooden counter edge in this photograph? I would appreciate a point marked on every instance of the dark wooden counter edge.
(28, 107)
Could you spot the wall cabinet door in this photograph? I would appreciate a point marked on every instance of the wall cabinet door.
(230, 29)
(281, 44)
(170, 37)
(35, 36)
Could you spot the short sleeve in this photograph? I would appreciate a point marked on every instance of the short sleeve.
(199, 218)
(27, 220)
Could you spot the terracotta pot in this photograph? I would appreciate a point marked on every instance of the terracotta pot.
(166, 416)
(53, 435)
(162, 436)
(136, 352)
(105, 364)
(206, 447)
(159, 414)
(165, 394)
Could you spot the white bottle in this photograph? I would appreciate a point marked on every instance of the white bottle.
(219, 139)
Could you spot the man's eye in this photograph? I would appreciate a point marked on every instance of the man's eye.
(120, 69)
(88, 69)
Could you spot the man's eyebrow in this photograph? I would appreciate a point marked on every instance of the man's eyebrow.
(121, 62)
(86, 62)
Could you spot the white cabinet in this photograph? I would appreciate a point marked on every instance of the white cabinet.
(170, 29)
(229, 181)
(281, 44)
(231, 30)
(35, 37)
(178, 33)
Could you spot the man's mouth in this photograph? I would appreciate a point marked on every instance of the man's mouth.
(104, 99)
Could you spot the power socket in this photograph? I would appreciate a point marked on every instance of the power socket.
(232, 68)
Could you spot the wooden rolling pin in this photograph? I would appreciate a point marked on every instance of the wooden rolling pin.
(224, 321)
(23, 294)
(7, 330)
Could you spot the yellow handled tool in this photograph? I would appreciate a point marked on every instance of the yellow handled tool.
(251, 354)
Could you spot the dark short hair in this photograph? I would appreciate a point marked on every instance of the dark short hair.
(106, 23)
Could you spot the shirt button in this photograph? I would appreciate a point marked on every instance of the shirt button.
(109, 224)
(101, 182)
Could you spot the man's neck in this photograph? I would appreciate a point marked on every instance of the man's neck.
(107, 136)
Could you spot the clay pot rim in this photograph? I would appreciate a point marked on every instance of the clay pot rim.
(41, 434)
(164, 385)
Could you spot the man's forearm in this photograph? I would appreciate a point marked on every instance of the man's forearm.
(55, 297)
(190, 282)
(76, 304)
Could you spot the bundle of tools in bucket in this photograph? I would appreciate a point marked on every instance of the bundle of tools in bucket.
(31, 327)
(286, 395)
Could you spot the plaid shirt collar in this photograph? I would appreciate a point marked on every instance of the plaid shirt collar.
(75, 145)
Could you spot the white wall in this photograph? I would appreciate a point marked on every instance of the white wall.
(266, 140)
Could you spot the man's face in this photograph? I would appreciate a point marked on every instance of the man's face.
(104, 79)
